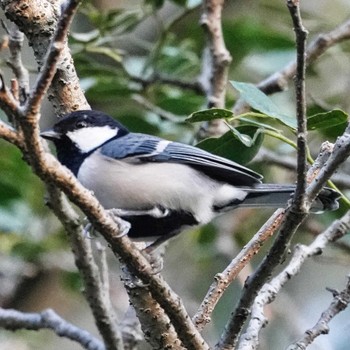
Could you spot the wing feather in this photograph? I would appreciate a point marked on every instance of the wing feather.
(145, 148)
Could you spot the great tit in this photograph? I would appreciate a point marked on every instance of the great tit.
(160, 186)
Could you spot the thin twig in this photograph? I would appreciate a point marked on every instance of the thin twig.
(279, 81)
(340, 154)
(15, 62)
(258, 320)
(11, 135)
(223, 280)
(48, 319)
(340, 302)
(158, 78)
(299, 203)
(220, 57)
(215, 63)
(166, 115)
(8, 103)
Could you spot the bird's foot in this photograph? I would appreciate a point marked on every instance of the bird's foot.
(155, 258)
(123, 225)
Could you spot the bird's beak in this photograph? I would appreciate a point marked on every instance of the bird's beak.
(50, 134)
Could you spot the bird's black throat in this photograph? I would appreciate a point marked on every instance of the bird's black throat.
(69, 154)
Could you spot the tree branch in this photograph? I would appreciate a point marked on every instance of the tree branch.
(250, 339)
(39, 22)
(48, 319)
(340, 154)
(340, 302)
(265, 156)
(215, 63)
(11, 135)
(130, 327)
(96, 295)
(279, 81)
(156, 325)
(220, 57)
(52, 58)
(157, 78)
(254, 282)
(299, 204)
(16, 38)
(224, 279)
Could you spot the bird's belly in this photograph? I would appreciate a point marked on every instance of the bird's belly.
(140, 186)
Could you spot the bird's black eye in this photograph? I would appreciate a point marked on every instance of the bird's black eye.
(81, 124)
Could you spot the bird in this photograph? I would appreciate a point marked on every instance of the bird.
(160, 187)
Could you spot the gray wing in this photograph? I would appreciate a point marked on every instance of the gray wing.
(145, 148)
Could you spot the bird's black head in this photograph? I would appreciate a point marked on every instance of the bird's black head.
(79, 133)
(86, 129)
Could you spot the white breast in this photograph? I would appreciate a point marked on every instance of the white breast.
(118, 184)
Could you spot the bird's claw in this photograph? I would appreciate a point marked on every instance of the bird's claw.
(123, 225)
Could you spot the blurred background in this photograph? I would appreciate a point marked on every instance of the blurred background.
(131, 57)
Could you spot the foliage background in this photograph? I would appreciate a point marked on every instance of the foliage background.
(117, 53)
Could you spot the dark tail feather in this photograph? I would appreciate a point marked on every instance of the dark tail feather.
(277, 196)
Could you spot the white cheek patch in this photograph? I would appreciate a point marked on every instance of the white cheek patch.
(87, 139)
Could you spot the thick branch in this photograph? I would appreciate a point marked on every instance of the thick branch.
(39, 22)
(49, 68)
(156, 325)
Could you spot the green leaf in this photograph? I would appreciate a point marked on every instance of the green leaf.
(240, 144)
(259, 101)
(244, 120)
(209, 114)
(327, 119)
